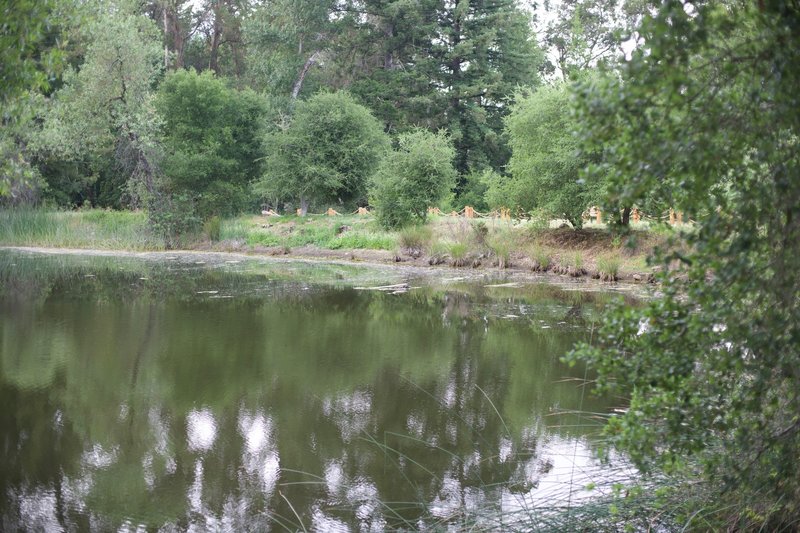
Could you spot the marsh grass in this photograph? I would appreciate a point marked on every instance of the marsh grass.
(458, 252)
(501, 243)
(540, 258)
(608, 266)
(213, 228)
(414, 240)
(103, 229)
(577, 260)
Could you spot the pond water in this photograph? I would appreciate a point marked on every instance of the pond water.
(194, 392)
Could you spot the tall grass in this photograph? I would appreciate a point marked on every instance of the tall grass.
(293, 232)
(213, 228)
(458, 252)
(608, 266)
(501, 243)
(102, 229)
(540, 257)
(413, 240)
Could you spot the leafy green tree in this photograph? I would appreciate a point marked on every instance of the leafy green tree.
(545, 163)
(212, 140)
(105, 108)
(28, 57)
(326, 154)
(416, 176)
(31, 56)
(709, 108)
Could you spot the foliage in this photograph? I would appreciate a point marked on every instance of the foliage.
(283, 35)
(412, 178)
(28, 56)
(473, 192)
(213, 228)
(20, 182)
(212, 140)
(584, 33)
(708, 108)
(438, 65)
(104, 111)
(172, 216)
(545, 162)
(326, 154)
(31, 57)
(481, 66)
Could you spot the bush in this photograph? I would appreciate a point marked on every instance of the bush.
(172, 216)
(327, 154)
(544, 166)
(473, 193)
(212, 140)
(412, 178)
(213, 228)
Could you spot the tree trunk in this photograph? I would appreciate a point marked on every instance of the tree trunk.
(216, 37)
(388, 58)
(303, 206)
(298, 85)
(166, 33)
(178, 39)
(626, 216)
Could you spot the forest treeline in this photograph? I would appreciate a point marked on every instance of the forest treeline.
(194, 109)
(218, 107)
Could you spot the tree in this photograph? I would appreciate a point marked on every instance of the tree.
(483, 51)
(545, 163)
(389, 61)
(212, 140)
(29, 53)
(30, 57)
(583, 34)
(286, 40)
(326, 154)
(105, 109)
(708, 107)
(437, 64)
(416, 176)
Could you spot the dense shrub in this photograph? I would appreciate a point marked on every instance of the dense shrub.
(545, 161)
(412, 178)
(212, 138)
(327, 153)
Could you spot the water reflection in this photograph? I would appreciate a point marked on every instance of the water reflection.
(132, 398)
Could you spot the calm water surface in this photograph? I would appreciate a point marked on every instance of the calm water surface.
(205, 393)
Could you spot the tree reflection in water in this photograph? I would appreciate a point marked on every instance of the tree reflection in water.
(134, 396)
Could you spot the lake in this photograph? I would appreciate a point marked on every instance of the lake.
(214, 392)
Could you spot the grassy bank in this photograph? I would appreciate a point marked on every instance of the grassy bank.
(108, 230)
(456, 242)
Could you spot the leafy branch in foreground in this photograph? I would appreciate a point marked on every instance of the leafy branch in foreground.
(709, 109)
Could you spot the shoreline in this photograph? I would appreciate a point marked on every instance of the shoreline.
(367, 259)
